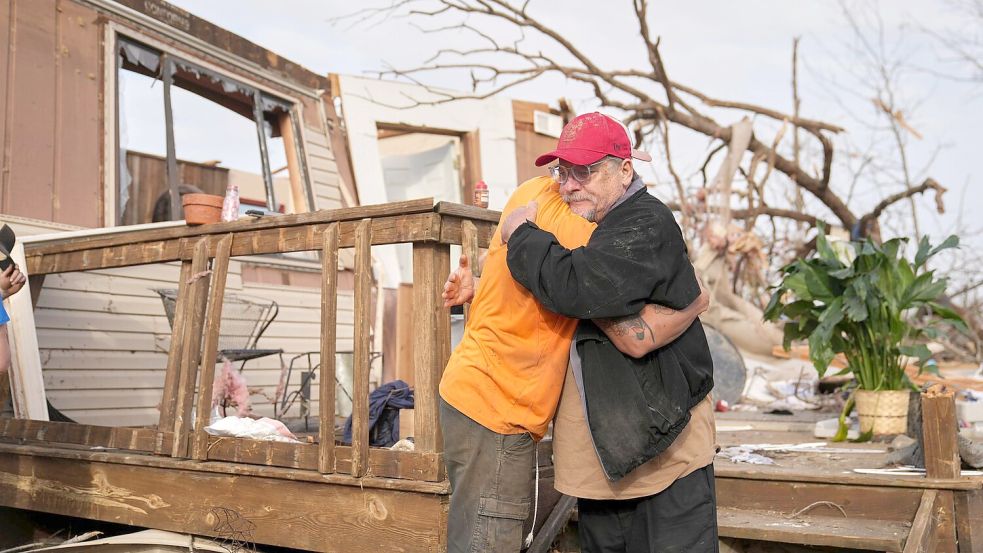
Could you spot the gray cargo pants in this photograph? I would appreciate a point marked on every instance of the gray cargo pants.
(491, 478)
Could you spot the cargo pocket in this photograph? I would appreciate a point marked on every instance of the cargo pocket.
(499, 527)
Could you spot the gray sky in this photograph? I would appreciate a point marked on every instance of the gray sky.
(738, 51)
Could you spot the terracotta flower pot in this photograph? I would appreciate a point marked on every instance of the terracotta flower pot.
(884, 412)
(200, 209)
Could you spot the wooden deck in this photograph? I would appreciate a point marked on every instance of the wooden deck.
(815, 498)
(173, 476)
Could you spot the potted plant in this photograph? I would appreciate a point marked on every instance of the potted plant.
(870, 303)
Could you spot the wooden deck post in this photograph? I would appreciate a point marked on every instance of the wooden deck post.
(469, 247)
(432, 345)
(939, 431)
(329, 328)
(213, 323)
(194, 300)
(363, 346)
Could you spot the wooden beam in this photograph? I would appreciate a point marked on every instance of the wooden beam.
(922, 527)
(469, 247)
(173, 371)
(431, 349)
(734, 471)
(26, 382)
(451, 230)
(939, 431)
(387, 230)
(130, 439)
(195, 300)
(216, 297)
(380, 463)
(67, 242)
(363, 348)
(297, 194)
(944, 536)
(787, 497)
(969, 520)
(339, 518)
(329, 329)
(555, 523)
(827, 531)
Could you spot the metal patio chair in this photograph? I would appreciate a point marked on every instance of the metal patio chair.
(243, 322)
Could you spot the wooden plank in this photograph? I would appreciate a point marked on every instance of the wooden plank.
(468, 212)
(329, 328)
(555, 523)
(67, 242)
(191, 347)
(944, 522)
(825, 531)
(290, 145)
(380, 462)
(216, 295)
(969, 520)
(450, 230)
(922, 527)
(898, 504)
(386, 463)
(173, 374)
(727, 469)
(26, 381)
(144, 459)
(431, 348)
(132, 439)
(939, 430)
(336, 518)
(387, 230)
(469, 248)
(363, 348)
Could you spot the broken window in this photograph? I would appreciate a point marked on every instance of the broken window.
(186, 129)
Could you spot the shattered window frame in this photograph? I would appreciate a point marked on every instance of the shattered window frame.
(134, 54)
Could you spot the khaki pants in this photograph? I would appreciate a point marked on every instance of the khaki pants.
(491, 478)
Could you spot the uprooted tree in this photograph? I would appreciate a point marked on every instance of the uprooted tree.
(652, 102)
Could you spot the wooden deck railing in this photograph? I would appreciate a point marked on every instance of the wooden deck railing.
(204, 253)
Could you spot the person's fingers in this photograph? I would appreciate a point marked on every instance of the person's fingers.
(9, 270)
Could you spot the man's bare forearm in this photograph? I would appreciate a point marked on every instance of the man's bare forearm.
(650, 329)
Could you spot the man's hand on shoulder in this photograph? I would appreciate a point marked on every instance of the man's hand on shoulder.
(518, 216)
(459, 288)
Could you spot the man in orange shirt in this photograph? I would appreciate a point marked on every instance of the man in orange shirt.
(501, 386)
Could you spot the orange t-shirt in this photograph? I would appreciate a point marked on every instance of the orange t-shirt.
(507, 372)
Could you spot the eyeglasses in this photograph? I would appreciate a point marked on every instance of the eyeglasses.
(580, 173)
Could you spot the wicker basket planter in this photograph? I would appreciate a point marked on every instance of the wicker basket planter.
(884, 412)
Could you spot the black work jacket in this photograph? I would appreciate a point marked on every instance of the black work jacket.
(636, 255)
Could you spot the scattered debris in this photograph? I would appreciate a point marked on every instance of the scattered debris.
(257, 429)
(742, 454)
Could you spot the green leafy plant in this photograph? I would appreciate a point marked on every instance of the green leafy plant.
(866, 301)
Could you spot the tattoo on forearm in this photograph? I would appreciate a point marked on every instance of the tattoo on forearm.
(627, 326)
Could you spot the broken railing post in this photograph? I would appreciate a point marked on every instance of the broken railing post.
(939, 431)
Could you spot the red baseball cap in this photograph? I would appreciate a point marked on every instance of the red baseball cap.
(589, 137)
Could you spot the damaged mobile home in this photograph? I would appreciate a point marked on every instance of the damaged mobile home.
(328, 288)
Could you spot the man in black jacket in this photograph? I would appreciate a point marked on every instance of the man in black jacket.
(635, 407)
